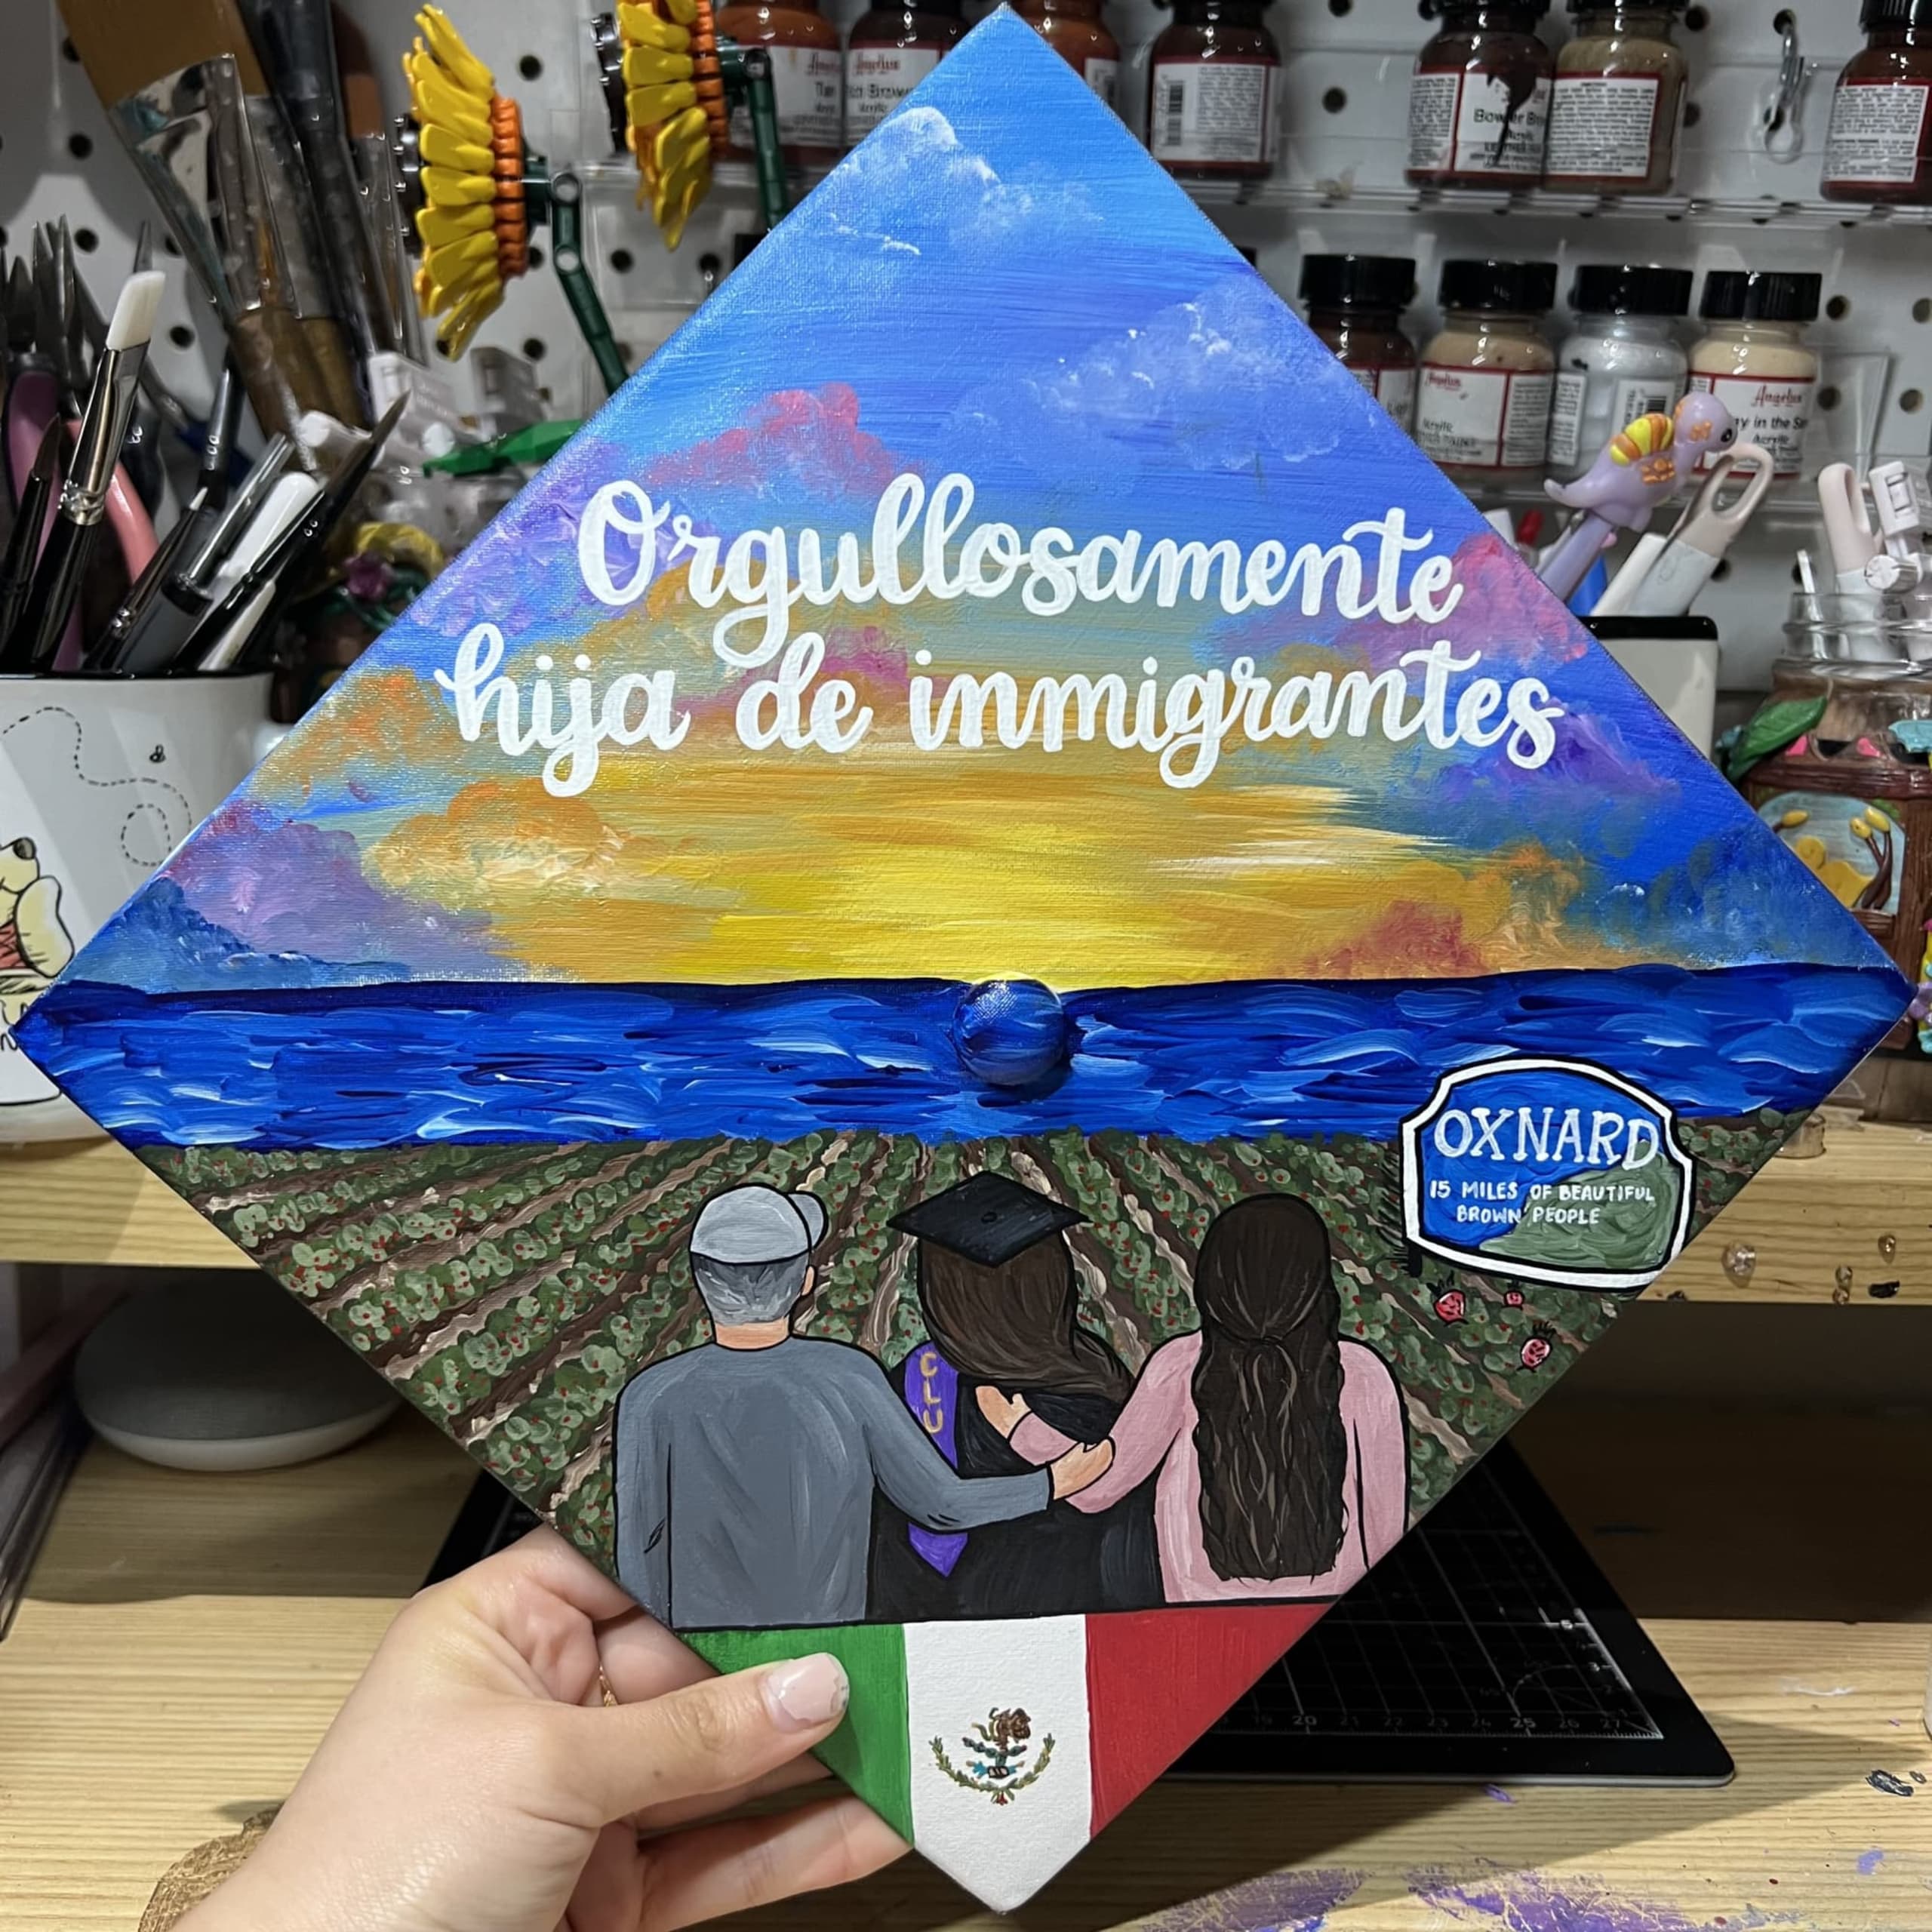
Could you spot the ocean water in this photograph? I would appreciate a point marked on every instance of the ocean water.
(379, 1066)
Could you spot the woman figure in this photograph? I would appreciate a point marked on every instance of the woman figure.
(1001, 1303)
(1279, 1463)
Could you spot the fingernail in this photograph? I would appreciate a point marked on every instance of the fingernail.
(802, 1695)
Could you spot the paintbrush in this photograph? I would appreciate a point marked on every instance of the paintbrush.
(175, 79)
(35, 636)
(191, 528)
(229, 636)
(151, 639)
(296, 47)
(29, 515)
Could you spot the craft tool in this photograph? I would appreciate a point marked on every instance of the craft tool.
(151, 639)
(35, 636)
(1808, 580)
(1646, 461)
(1848, 531)
(1901, 508)
(227, 635)
(1618, 600)
(190, 530)
(1726, 499)
(175, 81)
(294, 40)
(29, 520)
(140, 449)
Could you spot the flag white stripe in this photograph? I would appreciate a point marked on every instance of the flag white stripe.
(957, 1675)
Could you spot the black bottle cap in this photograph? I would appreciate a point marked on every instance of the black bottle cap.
(1752, 295)
(1877, 14)
(1528, 10)
(1618, 6)
(1611, 288)
(1358, 281)
(1506, 288)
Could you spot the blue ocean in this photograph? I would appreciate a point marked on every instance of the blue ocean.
(371, 1066)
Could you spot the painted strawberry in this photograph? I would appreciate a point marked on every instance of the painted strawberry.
(1452, 1305)
(1512, 1298)
(1536, 1350)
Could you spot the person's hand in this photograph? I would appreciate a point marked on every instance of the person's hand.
(476, 1781)
(1082, 1466)
(1006, 1413)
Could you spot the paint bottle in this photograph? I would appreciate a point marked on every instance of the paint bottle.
(1879, 148)
(807, 78)
(1482, 410)
(1618, 103)
(1479, 97)
(890, 51)
(1075, 29)
(1620, 360)
(1755, 359)
(1355, 305)
(1211, 92)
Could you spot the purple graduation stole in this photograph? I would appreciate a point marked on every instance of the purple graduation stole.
(931, 1388)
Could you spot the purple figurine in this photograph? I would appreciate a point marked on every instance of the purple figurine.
(1641, 465)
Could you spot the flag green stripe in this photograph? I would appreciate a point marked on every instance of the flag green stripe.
(869, 1750)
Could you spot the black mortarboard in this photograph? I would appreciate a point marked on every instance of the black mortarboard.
(989, 1219)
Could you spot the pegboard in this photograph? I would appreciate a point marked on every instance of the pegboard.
(1741, 200)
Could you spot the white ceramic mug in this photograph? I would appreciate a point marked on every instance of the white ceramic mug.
(100, 779)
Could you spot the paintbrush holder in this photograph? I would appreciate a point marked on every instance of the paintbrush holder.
(1849, 791)
(100, 779)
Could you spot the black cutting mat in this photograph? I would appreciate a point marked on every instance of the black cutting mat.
(1486, 1647)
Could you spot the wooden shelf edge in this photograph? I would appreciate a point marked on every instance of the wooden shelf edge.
(1853, 1226)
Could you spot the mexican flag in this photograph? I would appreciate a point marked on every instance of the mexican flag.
(1002, 1746)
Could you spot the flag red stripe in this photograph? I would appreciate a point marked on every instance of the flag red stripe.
(1156, 1679)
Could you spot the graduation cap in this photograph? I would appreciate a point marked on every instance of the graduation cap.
(989, 1219)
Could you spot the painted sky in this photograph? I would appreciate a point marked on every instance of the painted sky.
(999, 282)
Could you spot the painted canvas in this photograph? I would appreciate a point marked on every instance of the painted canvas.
(988, 987)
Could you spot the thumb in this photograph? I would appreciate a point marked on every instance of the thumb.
(709, 1737)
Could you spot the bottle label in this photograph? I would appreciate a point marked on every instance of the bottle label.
(1630, 398)
(1467, 124)
(877, 79)
(1601, 127)
(808, 85)
(1103, 77)
(1874, 133)
(1213, 111)
(1484, 419)
(1770, 410)
(1394, 389)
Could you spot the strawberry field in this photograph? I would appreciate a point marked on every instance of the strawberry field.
(510, 1292)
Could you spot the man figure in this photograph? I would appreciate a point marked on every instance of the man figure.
(745, 1471)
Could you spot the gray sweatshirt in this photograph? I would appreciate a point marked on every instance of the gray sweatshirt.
(745, 1480)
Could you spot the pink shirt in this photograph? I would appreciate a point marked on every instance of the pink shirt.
(1156, 1431)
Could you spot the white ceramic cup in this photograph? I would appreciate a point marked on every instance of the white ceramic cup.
(1674, 661)
(100, 779)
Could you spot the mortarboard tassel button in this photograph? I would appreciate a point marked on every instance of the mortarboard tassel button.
(1010, 1032)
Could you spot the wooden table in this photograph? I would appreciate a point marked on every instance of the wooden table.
(187, 1639)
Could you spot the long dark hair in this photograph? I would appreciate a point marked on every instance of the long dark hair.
(1268, 1390)
(1018, 1326)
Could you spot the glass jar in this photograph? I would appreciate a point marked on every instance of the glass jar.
(1620, 360)
(1479, 97)
(1754, 359)
(1880, 146)
(807, 79)
(1618, 103)
(890, 51)
(1355, 305)
(1482, 410)
(1075, 29)
(1212, 81)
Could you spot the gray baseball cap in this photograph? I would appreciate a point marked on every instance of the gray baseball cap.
(755, 1224)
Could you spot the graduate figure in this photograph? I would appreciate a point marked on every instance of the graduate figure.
(1001, 1304)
